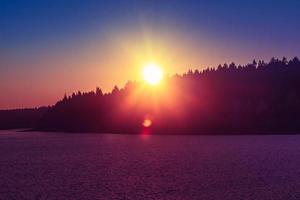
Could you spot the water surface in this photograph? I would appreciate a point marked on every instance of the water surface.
(103, 166)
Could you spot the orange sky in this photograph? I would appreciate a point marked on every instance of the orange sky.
(104, 61)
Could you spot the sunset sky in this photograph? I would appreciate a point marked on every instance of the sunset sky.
(52, 47)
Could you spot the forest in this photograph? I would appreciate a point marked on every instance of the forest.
(257, 98)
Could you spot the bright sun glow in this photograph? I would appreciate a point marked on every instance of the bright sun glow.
(152, 74)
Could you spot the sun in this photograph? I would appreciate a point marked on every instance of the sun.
(152, 74)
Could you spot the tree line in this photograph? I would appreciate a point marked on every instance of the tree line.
(257, 98)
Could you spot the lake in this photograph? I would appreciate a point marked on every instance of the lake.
(36, 165)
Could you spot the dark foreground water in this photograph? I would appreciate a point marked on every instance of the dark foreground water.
(93, 166)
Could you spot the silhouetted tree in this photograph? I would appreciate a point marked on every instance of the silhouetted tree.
(99, 92)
